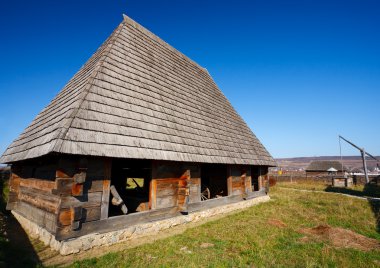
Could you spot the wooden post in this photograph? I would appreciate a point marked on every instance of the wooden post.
(106, 189)
(184, 190)
(14, 183)
(229, 181)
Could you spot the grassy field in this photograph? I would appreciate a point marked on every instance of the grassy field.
(359, 190)
(275, 234)
(267, 235)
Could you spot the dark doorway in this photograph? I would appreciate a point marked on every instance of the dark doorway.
(213, 181)
(131, 179)
(255, 174)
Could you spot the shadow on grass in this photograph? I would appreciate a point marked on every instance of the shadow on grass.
(370, 190)
(16, 249)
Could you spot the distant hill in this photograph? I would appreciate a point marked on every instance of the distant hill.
(302, 162)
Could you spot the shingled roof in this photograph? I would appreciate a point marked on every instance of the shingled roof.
(325, 165)
(138, 97)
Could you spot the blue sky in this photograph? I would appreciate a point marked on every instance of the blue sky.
(299, 72)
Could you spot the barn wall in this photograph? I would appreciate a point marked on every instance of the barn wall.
(174, 185)
(236, 181)
(60, 193)
(30, 194)
(71, 194)
(264, 177)
(83, 184)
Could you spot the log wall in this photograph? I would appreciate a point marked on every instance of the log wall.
(171, 185)
(72, 192)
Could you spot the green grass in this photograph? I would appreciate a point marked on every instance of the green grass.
(245, 239)
(133, 183)
(369, 190)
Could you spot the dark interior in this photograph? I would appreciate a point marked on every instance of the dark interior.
(255, 174)
(214, 180)
(131, 179)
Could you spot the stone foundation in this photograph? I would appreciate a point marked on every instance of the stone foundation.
(89, 241)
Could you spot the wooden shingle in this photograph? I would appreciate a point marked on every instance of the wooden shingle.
(138, 97)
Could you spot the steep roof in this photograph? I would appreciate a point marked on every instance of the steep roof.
(138, 97)
(325, 165)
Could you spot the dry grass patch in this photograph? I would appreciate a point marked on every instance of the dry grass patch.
(339, 238)
(277, 223)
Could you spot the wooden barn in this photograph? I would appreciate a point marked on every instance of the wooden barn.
(325, 168)
(140, 133)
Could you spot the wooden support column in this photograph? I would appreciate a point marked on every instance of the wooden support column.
(248, 180)
(229, 181)
(106, 189)
(263, 179)
(14, 184)
(236, 180)
(184, 191)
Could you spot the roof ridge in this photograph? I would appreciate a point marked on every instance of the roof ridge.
(59, 142)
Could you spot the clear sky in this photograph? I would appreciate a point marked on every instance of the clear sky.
(299, 72)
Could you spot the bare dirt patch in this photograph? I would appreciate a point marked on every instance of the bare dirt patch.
(206, 245)
(339, 238)
(277, 223)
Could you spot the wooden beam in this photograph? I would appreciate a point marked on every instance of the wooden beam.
(215, 202)
(106, 189)
(14, 184)
(117, 222)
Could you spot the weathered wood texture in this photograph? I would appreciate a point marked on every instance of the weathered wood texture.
(238, 181)
(170, 185)
(14, 185)
(117, 222)
(211, 203)
(255, 194)
(143, 99)
(263, 178)
(84, 192)
(195, 190)
(39, 216)
(106, 189)
(40, 199)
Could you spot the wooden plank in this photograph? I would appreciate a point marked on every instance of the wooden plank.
(88, 214)
(86, 200)
(43, 185)
(14, 184)
(167, 191)
(152, 194)
(63, 186)
(184, 191)
(255, 194)
(106, 188)
(211, 203)
(195, 190)
(166, 201)
(40, 217)
(117, 222)
(40, 199)
(248, 184)
(105, 199)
